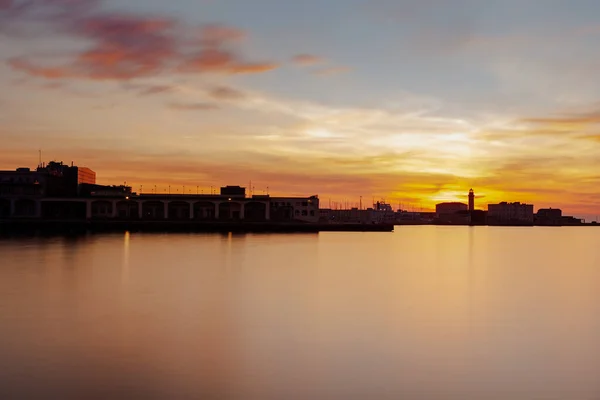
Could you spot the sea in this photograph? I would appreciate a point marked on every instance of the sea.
(424, 312)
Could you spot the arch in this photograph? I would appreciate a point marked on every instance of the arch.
(179, 210)
(255, 211)
(204, 210)
(102, 209)
(4, 208)
(153, 210)
(128, 210)
(229, 210)
(63, 209)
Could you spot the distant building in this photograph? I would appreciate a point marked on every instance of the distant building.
(548, 217)
(22, 182)
(450, 208)
(381, 206)
(510, 213)
(85, 175)
(293, 208)
(567, 221)
(357, 216)
(471, 200)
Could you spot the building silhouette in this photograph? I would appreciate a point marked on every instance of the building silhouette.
(471, 200)
(510, 213)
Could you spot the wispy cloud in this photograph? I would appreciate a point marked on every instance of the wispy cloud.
(226, 93)
(156, 89)
(307, 59)
(331, 71)
(193, 106)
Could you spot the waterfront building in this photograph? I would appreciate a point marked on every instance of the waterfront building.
(510, 213)
(56, 191)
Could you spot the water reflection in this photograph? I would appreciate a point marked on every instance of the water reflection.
(125, 265)
(423, 313)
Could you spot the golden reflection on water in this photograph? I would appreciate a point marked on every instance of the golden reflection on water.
(421, 313)
(125, 264)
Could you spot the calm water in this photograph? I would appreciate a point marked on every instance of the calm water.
(421, 313)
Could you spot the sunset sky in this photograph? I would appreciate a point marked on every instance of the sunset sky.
(411, 101)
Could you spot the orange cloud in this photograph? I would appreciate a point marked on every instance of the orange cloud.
(24, 65)
(306, 59)
(568, 119)
(252, 68)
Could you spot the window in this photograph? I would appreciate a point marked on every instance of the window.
(297, 212)
(304, 213)
(312, 213)
(305, 203)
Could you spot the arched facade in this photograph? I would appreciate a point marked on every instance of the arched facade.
(128, 210)
(204, 211)
(102, 209)
(153, 210)
(230, 210)
(179, 210)
(63, 209)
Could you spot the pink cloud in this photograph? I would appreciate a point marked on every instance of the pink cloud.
(6, 4)
(125, 47)
(216, 35)
(24, 65)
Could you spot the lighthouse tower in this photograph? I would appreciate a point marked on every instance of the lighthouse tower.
(471, 200)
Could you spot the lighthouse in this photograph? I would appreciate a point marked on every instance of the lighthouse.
(471, 200)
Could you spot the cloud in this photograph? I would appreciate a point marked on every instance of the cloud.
(306, 59)
(155, 89)
(215, 35)
(53, 85)
(572, 119)
(225, 93)
(22, 64)
(126, 47)
(331, 71)
(193, 106)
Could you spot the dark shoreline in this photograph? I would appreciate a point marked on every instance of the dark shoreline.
(44, 226)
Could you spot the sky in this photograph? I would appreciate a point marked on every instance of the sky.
(411, 102)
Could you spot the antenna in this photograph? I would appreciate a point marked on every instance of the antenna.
(40, 154)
